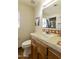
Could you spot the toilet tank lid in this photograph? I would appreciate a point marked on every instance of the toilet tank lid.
(28, 42)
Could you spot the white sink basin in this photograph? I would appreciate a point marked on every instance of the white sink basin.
(49, 35)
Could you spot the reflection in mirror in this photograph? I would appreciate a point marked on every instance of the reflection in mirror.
(44, 22)
(52, 15)
(49, 23)
(52, 22)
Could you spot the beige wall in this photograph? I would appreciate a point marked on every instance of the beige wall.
(27, 23)
(38, 13)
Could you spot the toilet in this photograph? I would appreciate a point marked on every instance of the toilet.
(26, 45)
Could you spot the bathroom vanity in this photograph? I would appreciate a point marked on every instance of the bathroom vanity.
(47, 46)
(42, 48)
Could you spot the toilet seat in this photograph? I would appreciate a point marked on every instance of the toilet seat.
(26, 44)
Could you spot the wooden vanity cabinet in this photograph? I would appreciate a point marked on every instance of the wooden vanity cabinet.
(39, 50)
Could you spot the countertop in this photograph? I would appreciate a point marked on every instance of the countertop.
(49, 39)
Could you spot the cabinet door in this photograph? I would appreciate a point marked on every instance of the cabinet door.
(41, 56)
(52, 55)
(34, 51)
(42, 51)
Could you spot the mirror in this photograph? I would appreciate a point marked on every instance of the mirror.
(52, 15)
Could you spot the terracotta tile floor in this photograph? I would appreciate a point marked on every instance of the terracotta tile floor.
(20, 54)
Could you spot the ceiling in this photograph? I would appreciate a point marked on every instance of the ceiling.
(34, 2)
(29, 2)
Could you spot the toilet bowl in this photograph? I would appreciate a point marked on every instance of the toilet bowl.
(26, 45)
